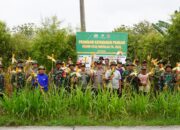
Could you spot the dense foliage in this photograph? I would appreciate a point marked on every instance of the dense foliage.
(49, 37)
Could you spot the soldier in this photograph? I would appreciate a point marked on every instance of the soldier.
(137, 66)
(157, 74)
(2, 81)
(113, 76)
(84, 78)
(72, 78)
(130, 80)
(32, 74)
(167, 79)
(97, 78)
(35, 67)
(58, 74)
(18, 78)
(128, 60)
(42, 79)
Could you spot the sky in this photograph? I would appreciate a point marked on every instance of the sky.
(101, 15)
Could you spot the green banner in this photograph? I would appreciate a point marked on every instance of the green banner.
(114, 43)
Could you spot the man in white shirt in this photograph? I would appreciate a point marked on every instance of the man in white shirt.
(113, 76)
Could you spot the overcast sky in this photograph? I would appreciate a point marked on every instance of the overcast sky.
(101, 15)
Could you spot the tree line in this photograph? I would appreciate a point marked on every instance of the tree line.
(50, 38)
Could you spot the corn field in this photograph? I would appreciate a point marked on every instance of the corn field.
(32, 105)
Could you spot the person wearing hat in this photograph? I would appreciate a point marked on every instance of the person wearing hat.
(167, 79)
(35, 67)
(159, 69)
(114, 79)
(144, 63)
(137, 66)
(144, 84)
(78, 66)
(32, 73)
(84, 77)
(130, 78)
(2, 81)
(72, 78)
(18, 79)
(97, 78)
(128, 59)
(42, 80)
(120, 67)
(101, 59)
(128, 70)
(58, 75)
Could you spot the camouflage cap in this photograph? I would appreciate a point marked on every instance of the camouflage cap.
(20, 65)
(20, 61)
(58, 62)
(113, 63)
(41, 68)
(34, 62)
(168, 66)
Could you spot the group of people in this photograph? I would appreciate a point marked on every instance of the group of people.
(103, 74)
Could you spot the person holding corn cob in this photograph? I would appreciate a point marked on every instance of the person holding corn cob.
(167, 79)
(42, 80)
(97, 78)
(113, 76)
(18, 79)
(58, 75)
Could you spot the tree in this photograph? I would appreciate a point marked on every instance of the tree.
(5, 48)
(51, 39)
(143, 40)
(22, 40)
(172, 40)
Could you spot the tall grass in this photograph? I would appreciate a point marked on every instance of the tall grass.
(59, 104)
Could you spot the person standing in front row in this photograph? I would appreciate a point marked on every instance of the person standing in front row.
(113, 76)
(42, 79)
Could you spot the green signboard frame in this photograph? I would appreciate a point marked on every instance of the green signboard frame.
(101, 43)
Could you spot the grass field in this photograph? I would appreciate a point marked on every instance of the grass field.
(78, 108)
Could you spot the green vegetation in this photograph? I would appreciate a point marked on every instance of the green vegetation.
(78, 108)
(31, 40)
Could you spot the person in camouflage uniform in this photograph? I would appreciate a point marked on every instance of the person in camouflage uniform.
(84, 77)
(130, 79)
(18, 78)
(137, 66)
(157, 74)
(72, 78)
(167, 79)
(58, 75)
(2, 81)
